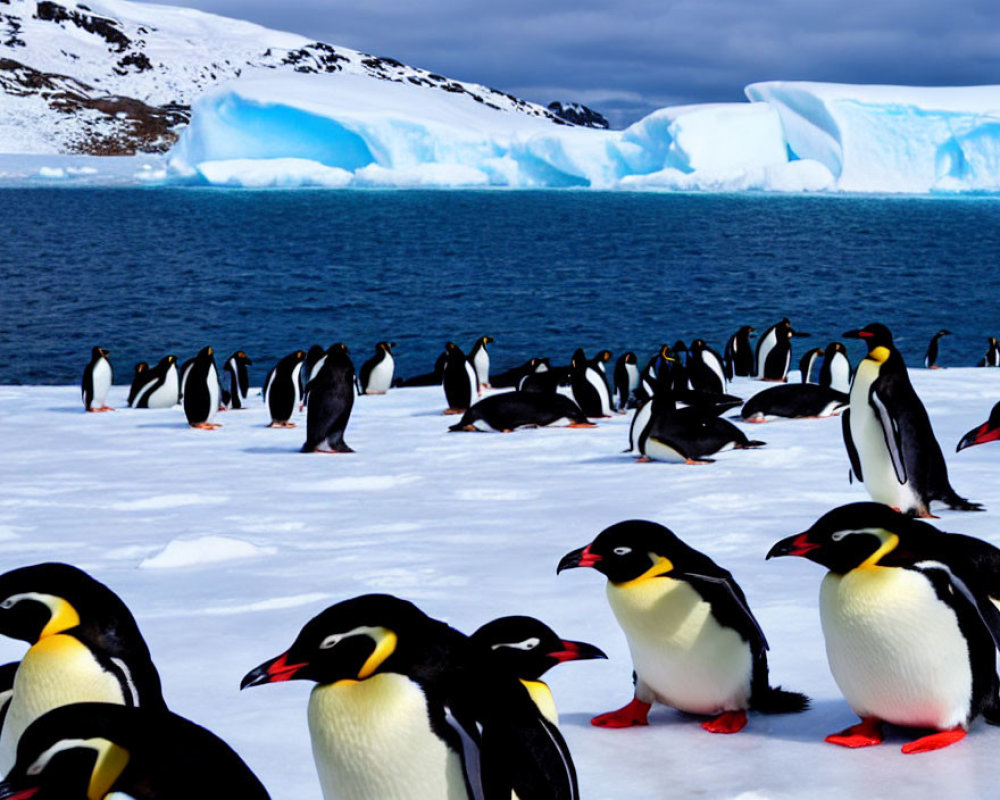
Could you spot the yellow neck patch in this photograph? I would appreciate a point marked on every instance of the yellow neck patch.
(879, 354)
(385, 645)
(661, 566)
(889, 542)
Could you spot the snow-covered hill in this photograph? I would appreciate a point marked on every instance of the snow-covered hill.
(114, 77)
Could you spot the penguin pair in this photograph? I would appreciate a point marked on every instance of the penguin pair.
(888, 435)
(331, 398)
(508, 411)
(458, 379)
(774, 351)
(96, 382)
(200, 390)
(238, 378)
(158, 387)
(695, 644)
(931, 356)
(406, 706)
(910, 622)
(377, 372)
(281, 389)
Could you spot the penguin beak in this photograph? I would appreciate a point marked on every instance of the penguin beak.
(800, 334)
(980, 435)
(856, 335)
(8, 793)
(274, 671)
(797, 545)
(576, 651)
(578, 558)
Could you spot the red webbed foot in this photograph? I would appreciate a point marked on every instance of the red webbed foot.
(635, 713)
(934, 741)
(866, 733)
(729, 722)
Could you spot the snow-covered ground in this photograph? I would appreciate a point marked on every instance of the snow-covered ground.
(224, 543)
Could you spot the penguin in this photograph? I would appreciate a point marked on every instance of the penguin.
(599, 361)
(774, 351)
(589, 388)
(992, 357)
(649, 373)
(512, 378)
(185, 368)
(806, 364)
(909, 627)
(989, 431)
(479, 357)
(930, 357)
(695, 644)
(529, 648)
(88, 751)
(663, 432)
(705, 368)
(138, 381)
(159, 387)
(96, 383)
(681, 352)
(794, 400)
(836, 372)
(507, 411)
(7, 674)
(739, 354)
(433, 378)
(281, 389)
(888, 435)
(376, 373)
(406, 706)
(545, 382)
(331, 398)
(84, 645)
(458, 380)
(626, 379)
(201, 391)
(235, 369)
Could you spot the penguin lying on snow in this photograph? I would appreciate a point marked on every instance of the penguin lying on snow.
(96, 382)
(989, 431)
(407, 706)
(695, 644)
(910, 629)
(794, 400)
(331, 398)
(89, 751)
(508, 411)
(138, 381)
(662, 432)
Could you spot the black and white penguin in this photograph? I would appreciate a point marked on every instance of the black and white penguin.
(626, 379)
(739, 354)
(235, 369)
(185, 368)
(281, 389)
(480, 358)
(85, 645)
(695, 644)
(992, 357)
(458, 379)
(930, 357)
(312, 364)
(96, 383)
(807, 363)
(406, 706)
(888, 434)
(159, 387)
(376, 373)
(680, 351)
(794, 400)
(88, 751)
(601, 360)
(774, 351)
(589, 387)
(201, 391)
(705, 368)
(909, 626)
(529, 648)
(989, 431)
(138, 381)
(662, 432)
(508, 411)
(331, 398)
(836, 372)
(512, 378)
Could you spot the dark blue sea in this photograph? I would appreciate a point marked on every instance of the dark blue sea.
(146, 272)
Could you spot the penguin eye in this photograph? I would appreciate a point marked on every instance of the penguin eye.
(839, 535)
(527, 644)
(8, 603)
(331, 641)
(622, 551)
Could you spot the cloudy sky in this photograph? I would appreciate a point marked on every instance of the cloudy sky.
(627, 57)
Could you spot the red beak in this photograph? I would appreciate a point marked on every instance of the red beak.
(274, 671)
(576, 651)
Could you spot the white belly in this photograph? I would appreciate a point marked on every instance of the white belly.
(213, 392)
(56, 671)
(840, 374)
(766, 346)
(101, 377)
(380, 378)
(481, 363)
(894, 649)
(661, 451)
(372, 741)
(684, 657)
(165, 396)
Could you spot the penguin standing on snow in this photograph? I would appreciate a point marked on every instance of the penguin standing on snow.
(909, 626)
(739, 355)
(458, 379)
(480, 358)
(238, 377)
(406, 706)
(706, 370)
(331, 398)
(96, 383)
(626, 379)
(138, 381)
(930, 357)
(589, 387)
(158, 387)
(888, 434)
(201, 391)
(695, 644)
(376, 373)
(774, 351)
(807, 363)
(992, 357)
(281, 389)
(836, 371)
(989, 431)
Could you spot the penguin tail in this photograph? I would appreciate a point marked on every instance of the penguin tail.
(775, 700)
(750, 444)
(953, 501)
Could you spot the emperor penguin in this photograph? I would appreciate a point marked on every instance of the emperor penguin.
(331, 398)
(84, 645)
(138, 381)
(836, 371)
(458, 378)
(739, 354)
(807, 363)
(888, 435)
(909, 625)
(695, 644)
(989, 431)
(281, 389)
(774, 351)
(706, 370)
(480, 358)
(97, 750)
(589, 386)
(201, 391)
(159, 387)
(528, 648)
(406, 706)
(992, 357)
(930, 357)
(96, 383)
(626, 380)
(376, 373)
(236, 371)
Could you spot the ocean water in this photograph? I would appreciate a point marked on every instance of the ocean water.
(146, 272)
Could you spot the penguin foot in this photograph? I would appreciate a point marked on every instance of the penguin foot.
(935, 741)
(700, 461)
(451, 411)
(643, 460)
(728, 722)
(100, 409)
(582, 425)
(276, 424)
(866, 733)
(206, 426)
(635, 713)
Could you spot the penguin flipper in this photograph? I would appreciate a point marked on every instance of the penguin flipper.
(725, 595)
(890, 430)
(530, 758)
(852, 451)
(7, 672)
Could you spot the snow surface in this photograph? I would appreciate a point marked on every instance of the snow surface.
(470, 527)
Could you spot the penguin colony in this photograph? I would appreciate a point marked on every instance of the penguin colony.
(406, 706)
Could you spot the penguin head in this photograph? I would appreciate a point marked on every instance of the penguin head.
(141, 367)
(631, 550)
(942, 332)
(528, 647)
(166, 361)
(242, 358)
(485, 340)
(746, 330)
(385, 346)
(604, 356)
(680, 347)
(989, 431)
(629, 358)
(352, 640)
(578, 359)
(878, 338)
(99, 352)
(834, 347)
